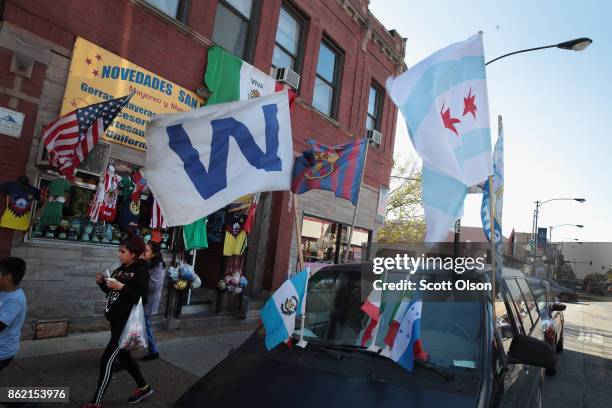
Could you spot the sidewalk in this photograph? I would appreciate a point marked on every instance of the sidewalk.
(73, 362)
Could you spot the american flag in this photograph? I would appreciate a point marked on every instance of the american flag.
(70, 138)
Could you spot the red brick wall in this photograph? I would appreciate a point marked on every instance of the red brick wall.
(14, 152)
(135, 33)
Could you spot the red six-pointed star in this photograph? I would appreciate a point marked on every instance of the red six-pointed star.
(469, 104)
(449, 122)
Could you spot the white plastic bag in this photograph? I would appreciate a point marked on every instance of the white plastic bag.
(134, 336)
(196, 282)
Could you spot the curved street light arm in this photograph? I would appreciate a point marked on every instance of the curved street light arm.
(521, 51)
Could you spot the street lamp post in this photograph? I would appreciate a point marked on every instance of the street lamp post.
(536, 214)
(578, 44)
(562, 225)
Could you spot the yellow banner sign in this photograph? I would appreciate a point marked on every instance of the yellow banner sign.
(98, 75)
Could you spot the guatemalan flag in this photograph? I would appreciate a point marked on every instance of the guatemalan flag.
(332, 168)
(407, 344)
(444, 101)
(278, 314)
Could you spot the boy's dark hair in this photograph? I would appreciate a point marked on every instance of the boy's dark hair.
(13, 266)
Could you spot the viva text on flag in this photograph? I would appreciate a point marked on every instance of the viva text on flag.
(200, 161)
(444, 101)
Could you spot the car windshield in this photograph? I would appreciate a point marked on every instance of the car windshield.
(451, 320)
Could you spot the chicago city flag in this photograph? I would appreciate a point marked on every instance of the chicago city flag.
(278, 314)
(200, 161)
(444, 101)
(332, 168)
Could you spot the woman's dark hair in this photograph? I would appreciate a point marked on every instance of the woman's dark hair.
(133, 243)
(157, 256)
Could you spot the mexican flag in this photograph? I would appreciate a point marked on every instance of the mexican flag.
(397, 315)
(231, 79)
(371, 307)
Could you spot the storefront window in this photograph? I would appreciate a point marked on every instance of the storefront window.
(75, 214)
(322, 238)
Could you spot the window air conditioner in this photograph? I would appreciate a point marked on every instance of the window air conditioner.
(374, 136)
(286, 76)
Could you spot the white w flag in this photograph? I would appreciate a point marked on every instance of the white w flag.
(444, 101)
(200, 161)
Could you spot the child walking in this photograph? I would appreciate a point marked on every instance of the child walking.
(127, 285)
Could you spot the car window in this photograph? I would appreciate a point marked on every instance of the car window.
(531, 302)
(539, 292)
(520, 305)
(505, 321)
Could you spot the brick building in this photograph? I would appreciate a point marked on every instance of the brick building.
(341, 52)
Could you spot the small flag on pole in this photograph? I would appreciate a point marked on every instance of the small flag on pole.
(371, 307)
(332, 168)
(69, 139)
(498, 198)
(444, 101)
(279, 312)
(407, 345)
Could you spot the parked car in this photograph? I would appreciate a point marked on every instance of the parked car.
(468, 363)
(596, 288)
(551, 316)
(567, 283)
(561, 292)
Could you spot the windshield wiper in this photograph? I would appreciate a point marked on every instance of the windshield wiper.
(447, 375)
(324, 348)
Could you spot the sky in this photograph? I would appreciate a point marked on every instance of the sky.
(556, 104)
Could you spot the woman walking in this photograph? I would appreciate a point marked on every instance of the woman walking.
(156, 265)
(127, 285)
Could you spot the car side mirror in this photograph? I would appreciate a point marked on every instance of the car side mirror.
(558, 307)
(531, 351)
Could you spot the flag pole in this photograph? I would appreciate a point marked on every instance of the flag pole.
(300, 265)
(350, 237)
(298, 232)
(493, 252)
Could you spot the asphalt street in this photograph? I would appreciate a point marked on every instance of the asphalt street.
(585, 367)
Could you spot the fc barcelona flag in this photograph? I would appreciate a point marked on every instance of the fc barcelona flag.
(332, 168)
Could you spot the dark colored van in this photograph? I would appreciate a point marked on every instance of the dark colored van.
(469, 363)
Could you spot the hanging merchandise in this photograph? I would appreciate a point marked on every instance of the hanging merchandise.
(248, 225)
(233, 281)
(130, 209)
(157, 218)
(57, 191)
(20, 196)
(104, 203)
(194, 235)
(127, 188)
(140, 185)
(216, 226)
(235, 236)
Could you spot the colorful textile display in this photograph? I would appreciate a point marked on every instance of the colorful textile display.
(52, 213)
(104, 203)
(235, 235)
(195, 236)
(19, 199)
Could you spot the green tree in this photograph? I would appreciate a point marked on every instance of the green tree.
(405, 220)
